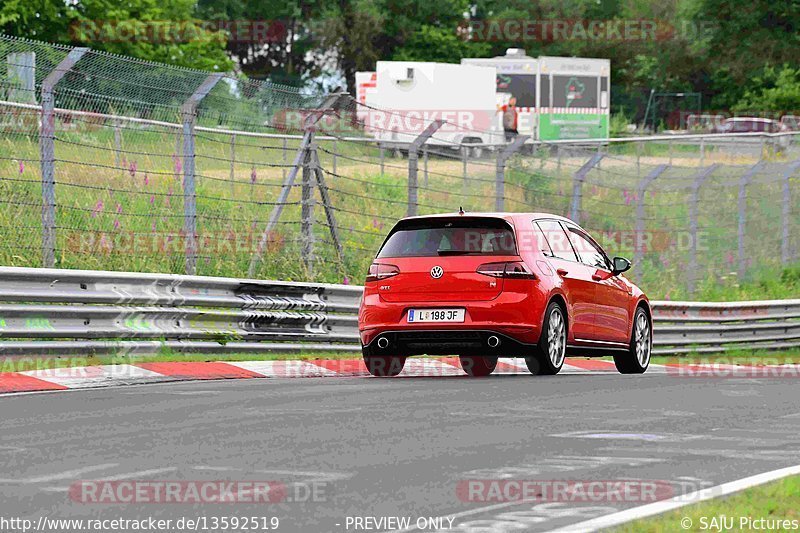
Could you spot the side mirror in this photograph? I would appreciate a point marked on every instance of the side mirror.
(620, 265)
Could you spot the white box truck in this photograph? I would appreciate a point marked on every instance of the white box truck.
(409, 95)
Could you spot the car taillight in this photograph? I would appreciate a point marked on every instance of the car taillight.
(506, 269)
(379, 271)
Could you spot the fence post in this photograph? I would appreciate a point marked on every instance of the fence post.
(786, 209)
(464, 154)
(413, 161)
(599, 152)
(500, 174)
(558, 156)
(577, 186)
(233, 168)
(283, 196)
(335, 154)
(670, 151)
(702, 150)
(285, 151)
(698, 182)
(47, 152)
(307, 211)
(425, 162)
(189, 116)
(117, 143)
(639, 158)
(641, 190)
(327, 205)
(744, 181)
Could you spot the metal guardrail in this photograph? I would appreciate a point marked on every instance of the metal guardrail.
(51, 311)
(711, 327)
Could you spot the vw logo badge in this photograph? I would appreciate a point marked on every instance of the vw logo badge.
(436, 272)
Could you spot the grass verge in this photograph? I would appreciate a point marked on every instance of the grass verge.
(743, 512)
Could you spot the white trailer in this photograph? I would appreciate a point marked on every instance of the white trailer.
(409, 95)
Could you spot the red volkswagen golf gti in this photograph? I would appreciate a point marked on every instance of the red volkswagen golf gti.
(491, 285)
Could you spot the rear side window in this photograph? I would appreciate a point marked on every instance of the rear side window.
(558, 241)
(589, 252)
(442, 236)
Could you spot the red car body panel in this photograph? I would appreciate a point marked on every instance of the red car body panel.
(599, 305)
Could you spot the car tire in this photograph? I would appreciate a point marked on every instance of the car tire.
(384, 366)
(548, 357)
(636, 359)
(478, 365)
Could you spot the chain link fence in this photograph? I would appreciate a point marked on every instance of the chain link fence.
(113, 163)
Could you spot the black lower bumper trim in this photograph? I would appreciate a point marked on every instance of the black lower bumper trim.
(446, 342)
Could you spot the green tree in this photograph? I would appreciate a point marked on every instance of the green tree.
(776, 90)
(283, 53)
(35, 19)
(99, 24)
(431, 43)
(745, 36)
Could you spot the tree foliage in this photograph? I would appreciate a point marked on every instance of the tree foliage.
(738, 53)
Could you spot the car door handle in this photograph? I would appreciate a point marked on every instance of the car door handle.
(561, 272)
(597, 277)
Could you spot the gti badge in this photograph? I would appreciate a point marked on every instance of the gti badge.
(437, 272)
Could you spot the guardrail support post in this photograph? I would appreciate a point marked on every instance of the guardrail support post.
(189, 116)
(577, 186)
(787, 254)
(500, 174)
(744, 181)
(641, 190)
(47, 152)
(698, 182)
(413, 162)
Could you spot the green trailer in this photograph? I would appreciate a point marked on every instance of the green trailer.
(556, 97)
(573, 98)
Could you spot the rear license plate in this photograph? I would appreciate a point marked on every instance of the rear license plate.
(436, 315)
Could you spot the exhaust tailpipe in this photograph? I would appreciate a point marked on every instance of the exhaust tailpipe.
(383, 342)
(493, 341)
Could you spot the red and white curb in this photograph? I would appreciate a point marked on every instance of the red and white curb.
(53, 379)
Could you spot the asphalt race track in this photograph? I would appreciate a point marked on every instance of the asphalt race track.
(365, 447)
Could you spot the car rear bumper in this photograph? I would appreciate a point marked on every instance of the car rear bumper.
(446, 342)
(513, 317)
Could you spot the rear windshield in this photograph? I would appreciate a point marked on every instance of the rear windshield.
(442, 236)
